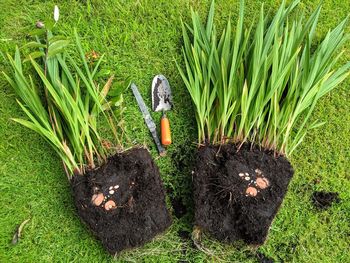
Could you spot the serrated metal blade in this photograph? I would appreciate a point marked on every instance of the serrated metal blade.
(148, 119)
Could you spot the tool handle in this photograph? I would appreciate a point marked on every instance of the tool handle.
(165, 130)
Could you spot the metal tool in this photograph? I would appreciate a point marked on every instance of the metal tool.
(148, 119)
(162, 101)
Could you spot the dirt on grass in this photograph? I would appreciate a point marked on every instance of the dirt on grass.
(132, 208)
(237, 194)
(263, 258)
(323, 200)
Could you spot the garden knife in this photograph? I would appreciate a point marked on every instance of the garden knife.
(148, 119)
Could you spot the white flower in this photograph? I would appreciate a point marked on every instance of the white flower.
(56, 13)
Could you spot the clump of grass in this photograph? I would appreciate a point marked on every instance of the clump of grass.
(260, 85)
(68, 115)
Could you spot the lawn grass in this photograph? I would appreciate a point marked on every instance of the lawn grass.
(141, 39)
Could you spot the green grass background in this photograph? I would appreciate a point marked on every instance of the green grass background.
(140, 39)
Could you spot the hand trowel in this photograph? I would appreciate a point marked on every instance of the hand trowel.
(162, 101)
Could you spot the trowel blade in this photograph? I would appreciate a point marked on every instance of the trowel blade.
(161, 94)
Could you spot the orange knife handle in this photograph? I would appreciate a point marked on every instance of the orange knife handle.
(165, 130)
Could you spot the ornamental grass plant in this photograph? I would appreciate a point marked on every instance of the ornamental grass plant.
(254, 89)
(118, 194)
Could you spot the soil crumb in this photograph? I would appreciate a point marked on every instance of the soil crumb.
(221, 178)
(132, 181)
(323, 200)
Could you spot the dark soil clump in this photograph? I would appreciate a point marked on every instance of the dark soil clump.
(185, 235)
(323, 200)
(179, 208)
(237, 194)
(264, 259)
(131, 180)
